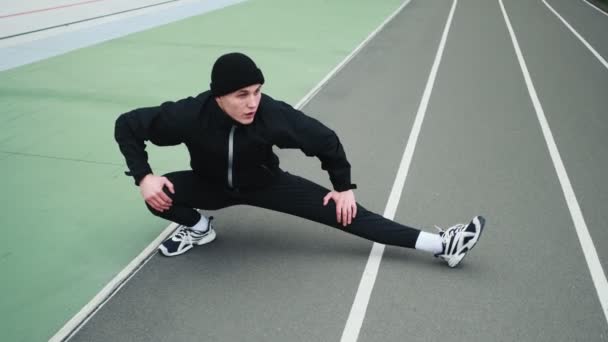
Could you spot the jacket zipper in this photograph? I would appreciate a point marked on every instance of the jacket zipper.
(230, 156)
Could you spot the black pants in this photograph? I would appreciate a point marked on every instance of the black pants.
(289, 194)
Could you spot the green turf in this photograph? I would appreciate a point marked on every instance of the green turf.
(71, 220)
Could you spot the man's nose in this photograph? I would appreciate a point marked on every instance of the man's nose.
(251, 103)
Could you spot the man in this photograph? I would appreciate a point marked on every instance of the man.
(229, 132)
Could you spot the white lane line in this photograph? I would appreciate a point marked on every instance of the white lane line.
(366, 285)
(89, 310)
(593, 262)
(595, 53)
(339, 67)
(596, 8)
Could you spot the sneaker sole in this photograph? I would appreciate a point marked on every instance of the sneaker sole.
(205, 240)
(482, 223)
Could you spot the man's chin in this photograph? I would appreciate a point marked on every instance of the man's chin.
(247, 120)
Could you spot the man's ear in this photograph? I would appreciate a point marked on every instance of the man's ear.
(218, 100)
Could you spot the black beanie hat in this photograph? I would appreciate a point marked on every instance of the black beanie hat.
(232, 72)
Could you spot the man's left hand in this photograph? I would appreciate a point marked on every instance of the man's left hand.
(346, 206)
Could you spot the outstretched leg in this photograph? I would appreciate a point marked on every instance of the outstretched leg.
(300, 197)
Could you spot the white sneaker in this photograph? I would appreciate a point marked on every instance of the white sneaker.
(185, 238)
(459, 239)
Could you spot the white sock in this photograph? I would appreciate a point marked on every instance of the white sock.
(202, 225)
(429, 242)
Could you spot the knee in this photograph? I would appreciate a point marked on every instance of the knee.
(153, 211)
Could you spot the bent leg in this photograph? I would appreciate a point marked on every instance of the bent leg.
(300, 197)
(191, 192)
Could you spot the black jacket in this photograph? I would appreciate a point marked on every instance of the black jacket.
(222, 150)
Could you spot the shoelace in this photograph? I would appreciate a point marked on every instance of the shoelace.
(187, 233)
(452, 230)
(448, 234)
(183, 235)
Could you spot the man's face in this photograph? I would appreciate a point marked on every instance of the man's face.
(242, 104)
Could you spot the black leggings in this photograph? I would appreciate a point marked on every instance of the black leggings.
(289, 194)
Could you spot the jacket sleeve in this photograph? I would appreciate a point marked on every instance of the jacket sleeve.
(162, 125)
(314, 139)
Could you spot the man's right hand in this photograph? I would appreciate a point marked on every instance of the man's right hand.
(151, 188)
